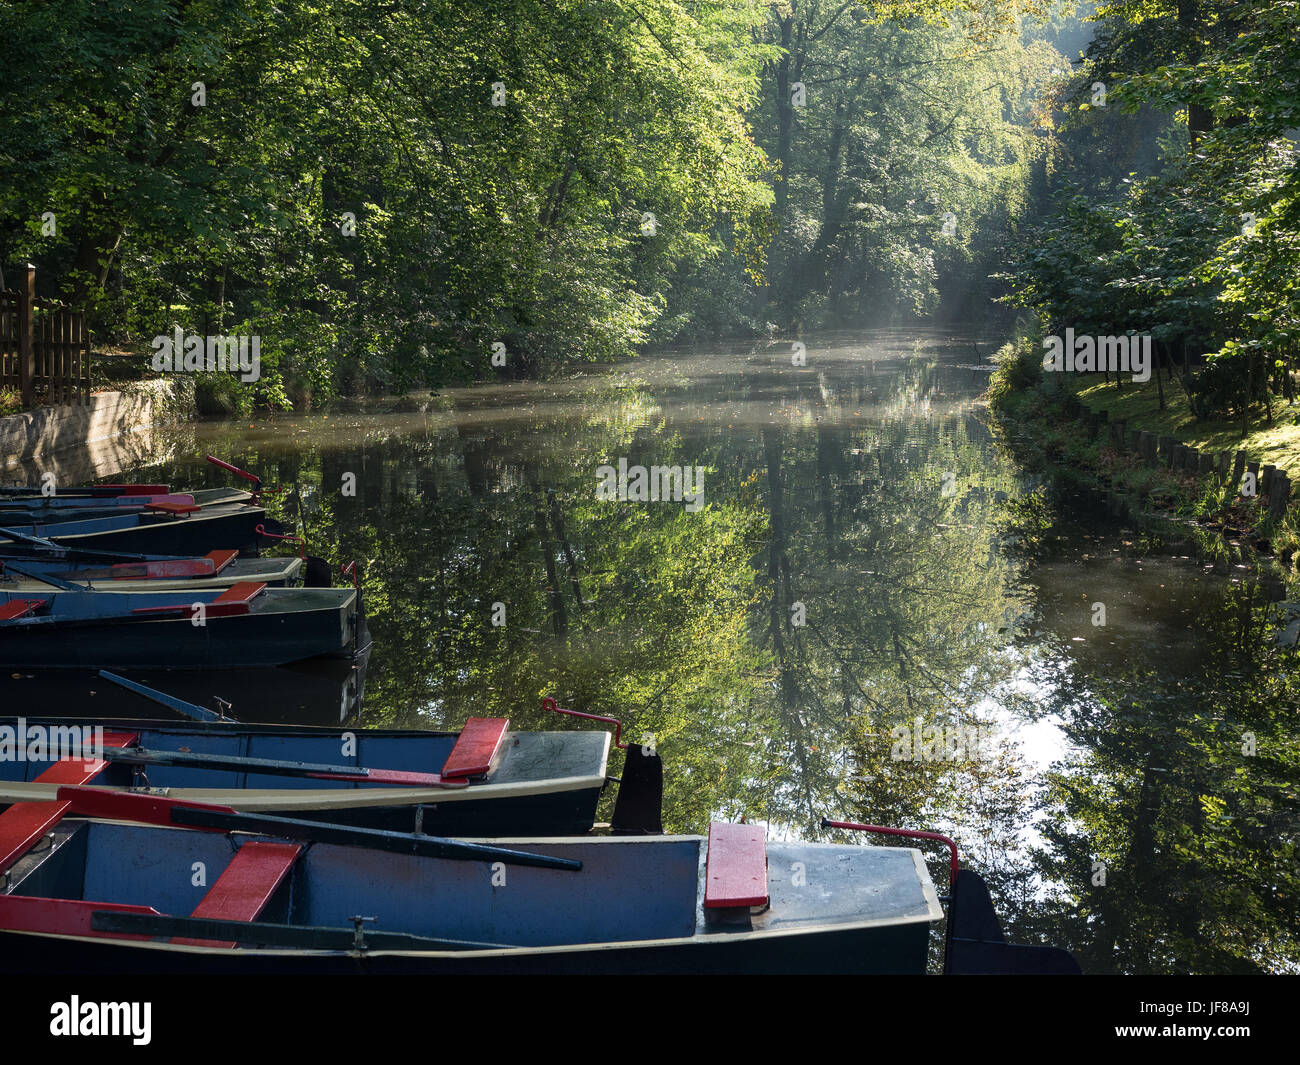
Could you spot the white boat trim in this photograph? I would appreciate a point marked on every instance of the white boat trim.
(278, 799)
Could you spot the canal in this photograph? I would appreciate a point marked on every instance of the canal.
(870, 611)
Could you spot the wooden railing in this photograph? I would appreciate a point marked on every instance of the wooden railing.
(44, 347)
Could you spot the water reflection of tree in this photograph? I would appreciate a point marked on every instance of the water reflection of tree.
(683, 625)
(1198, 839)
(679, 623)
(902, 620)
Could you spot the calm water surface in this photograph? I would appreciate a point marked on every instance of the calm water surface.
(875, 615)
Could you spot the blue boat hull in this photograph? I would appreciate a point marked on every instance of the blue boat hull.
(226, 527)
(100, 630)
(633, 906)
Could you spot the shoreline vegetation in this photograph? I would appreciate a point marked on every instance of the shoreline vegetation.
(1162, 462)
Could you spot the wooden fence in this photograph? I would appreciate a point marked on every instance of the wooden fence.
(44, 347)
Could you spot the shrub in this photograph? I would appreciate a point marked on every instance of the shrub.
(1020, 368)
(219, 395)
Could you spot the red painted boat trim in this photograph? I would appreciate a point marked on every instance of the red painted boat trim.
(20, 608)
(61, 917)
(243, 592)
(151, 500)
(127, 806)
(221, 559)
(135, 489)
(735, 872)
(236, 599)
(476, 747)
(181, 567)
(24, 823)
(173, 508)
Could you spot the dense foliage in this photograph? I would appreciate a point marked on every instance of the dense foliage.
(1197, 242)
(382, 193)
(387, 194)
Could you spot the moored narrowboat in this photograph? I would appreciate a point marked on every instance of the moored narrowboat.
(246, 625)
(104, 882)
(72, 508)
(481, 780)
(221, 526)
(31, 574)
(318, 898)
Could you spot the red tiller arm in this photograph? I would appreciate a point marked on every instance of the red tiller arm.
(302, 543)
(236, 470)
(911, 833)
(257, 481)
(349, 569)
(550, 704)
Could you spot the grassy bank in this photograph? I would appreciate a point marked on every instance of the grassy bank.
(1139, 405)
(1034, 413)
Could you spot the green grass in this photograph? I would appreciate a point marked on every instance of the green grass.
(1139, 406)
(1061, 443)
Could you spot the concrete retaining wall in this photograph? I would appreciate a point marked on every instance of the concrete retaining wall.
(110, 434)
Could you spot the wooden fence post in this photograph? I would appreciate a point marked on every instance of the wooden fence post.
(26, 355)
(81, 357)
(1279, 496)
